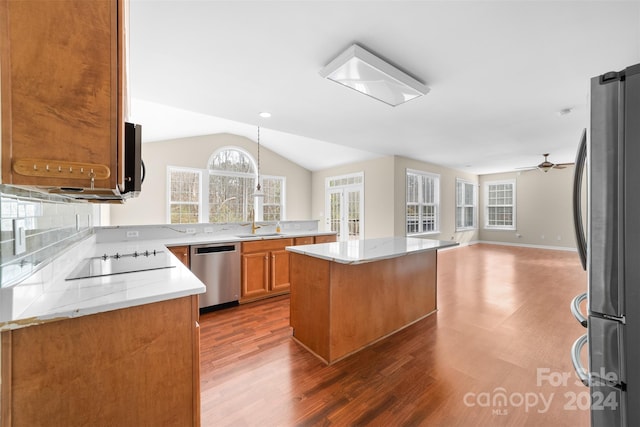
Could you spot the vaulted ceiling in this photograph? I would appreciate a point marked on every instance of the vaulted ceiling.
(499, 73)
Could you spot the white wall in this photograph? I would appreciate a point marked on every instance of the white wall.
(543, 209)
(151, 206)
(378, 194)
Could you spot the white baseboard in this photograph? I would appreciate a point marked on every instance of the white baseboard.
(525, 245)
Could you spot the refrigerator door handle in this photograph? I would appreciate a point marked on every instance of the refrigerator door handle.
(575, 309)
(576, 348)
(578, 174)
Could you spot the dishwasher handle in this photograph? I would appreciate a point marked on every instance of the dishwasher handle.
(203, 250)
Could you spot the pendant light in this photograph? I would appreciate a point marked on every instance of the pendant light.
(258, 192)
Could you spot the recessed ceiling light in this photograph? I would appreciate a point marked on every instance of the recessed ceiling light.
(361, 70)
(265, 114)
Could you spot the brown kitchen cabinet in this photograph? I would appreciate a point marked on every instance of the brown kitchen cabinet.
(306, 240)
(182, 253)
(129, 367)
(325, 238)
(64, 94)
(265, 269)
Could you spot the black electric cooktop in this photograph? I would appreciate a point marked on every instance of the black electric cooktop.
(108, 265)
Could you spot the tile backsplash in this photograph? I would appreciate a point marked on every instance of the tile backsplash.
(51, 222)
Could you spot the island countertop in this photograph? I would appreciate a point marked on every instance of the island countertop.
(368, 250)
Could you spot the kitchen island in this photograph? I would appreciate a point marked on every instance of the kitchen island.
(348, 295)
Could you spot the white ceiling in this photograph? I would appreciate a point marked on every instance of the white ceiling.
(499, 72)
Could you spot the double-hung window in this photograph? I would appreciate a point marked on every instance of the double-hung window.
(423, 202)
(466, 205)
(185, 203)
(500, 202)
(274, 197)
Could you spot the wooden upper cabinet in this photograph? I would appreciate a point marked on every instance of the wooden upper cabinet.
(63, 93)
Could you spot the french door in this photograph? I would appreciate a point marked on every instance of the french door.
(345, 206)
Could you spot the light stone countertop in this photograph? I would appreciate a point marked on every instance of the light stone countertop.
(46, 296)
(369, 250)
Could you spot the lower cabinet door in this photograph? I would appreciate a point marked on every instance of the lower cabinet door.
(280, 271)
(255, 274)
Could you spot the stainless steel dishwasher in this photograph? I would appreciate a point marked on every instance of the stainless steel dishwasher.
(218, 266)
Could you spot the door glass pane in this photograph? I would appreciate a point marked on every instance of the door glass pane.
(335, 210)
(344, 206)
(353, 220)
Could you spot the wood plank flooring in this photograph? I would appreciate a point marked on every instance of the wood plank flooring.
(496, 353)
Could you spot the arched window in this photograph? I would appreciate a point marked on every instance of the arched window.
(232, 181)
(228, 193)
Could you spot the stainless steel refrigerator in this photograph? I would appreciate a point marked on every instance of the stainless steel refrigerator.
(609, 247)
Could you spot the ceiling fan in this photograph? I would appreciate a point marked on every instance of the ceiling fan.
(546, 165)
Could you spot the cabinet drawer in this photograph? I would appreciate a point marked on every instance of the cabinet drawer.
(266, 245)
(304, 240)
(326, 239)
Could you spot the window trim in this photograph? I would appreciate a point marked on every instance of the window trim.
(436, 201)
(357, 186)
(463, 205)
(253, 175)
(168, 192)
(254, 164)
(511, 182)
(205, 175)
(283, 194)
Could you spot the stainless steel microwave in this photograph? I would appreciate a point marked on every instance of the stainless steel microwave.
(134, 171)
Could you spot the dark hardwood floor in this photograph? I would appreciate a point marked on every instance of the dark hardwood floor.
(496, 353)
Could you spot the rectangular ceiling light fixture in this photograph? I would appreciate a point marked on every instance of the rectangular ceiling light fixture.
(361, 70)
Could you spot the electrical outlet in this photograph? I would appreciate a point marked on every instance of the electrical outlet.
(132, 234)
(208, 230)
(19, 237)
(191, 231)
(297, 226)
